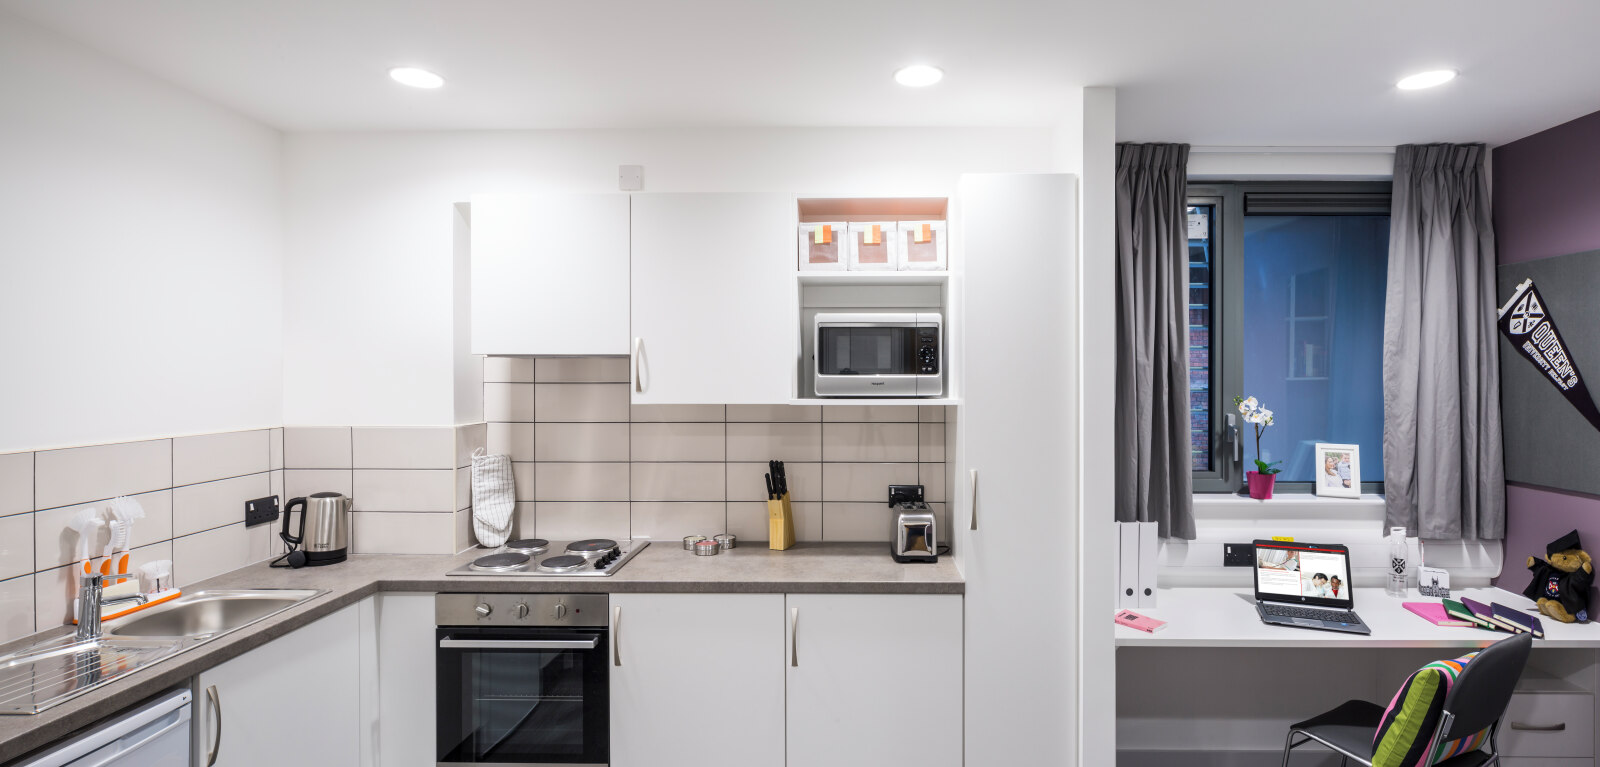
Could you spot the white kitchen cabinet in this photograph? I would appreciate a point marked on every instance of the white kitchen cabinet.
(295, 699)
(1016, 430)
(713, 298)
(406, 681)
(550, 274)
(697, 680)
(874, 679)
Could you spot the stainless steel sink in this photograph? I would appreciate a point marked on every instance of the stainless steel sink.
(207, 613)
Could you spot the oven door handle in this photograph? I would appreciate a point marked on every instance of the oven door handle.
(519, 644)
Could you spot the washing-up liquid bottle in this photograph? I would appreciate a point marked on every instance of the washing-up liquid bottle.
(1395, 585)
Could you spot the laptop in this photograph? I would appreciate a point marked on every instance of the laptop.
(1306, 585)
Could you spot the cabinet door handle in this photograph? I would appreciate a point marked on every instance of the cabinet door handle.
(638, 378)
(216, 708)
(972, 486)
(794, 640)
(616, 636)
(1539, 728)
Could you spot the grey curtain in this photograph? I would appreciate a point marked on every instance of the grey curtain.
(1154, 481)
(1443, 466)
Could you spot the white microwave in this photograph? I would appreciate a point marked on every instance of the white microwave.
(879, 354)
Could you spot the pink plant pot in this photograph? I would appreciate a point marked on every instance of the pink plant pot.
(1260, 484)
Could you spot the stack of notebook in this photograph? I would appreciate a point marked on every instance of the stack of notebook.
(1496, 616)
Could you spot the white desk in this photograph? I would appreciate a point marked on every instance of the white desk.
(1223, 617)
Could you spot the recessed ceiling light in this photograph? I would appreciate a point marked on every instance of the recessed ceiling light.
(918, 75)
(1426, 79)
(416, 78)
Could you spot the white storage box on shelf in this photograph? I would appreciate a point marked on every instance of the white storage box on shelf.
(923, 245)
(873, 246)
(822, 246)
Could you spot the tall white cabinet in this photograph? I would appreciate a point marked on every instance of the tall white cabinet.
(1013, 467)
(713, 298)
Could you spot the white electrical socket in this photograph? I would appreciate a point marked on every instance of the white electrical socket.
(630, 178)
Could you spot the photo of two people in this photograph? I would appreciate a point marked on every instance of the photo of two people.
(1336, 470)
(1321, 585)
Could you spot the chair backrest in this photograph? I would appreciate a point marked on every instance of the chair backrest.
(1480, 695)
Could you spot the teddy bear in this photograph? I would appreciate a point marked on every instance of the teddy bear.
(1561, 585)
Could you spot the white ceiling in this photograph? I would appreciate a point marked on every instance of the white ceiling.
(1235, 72)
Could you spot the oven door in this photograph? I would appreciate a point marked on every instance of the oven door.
(523, 696)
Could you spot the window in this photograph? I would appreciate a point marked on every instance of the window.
(1286, 300)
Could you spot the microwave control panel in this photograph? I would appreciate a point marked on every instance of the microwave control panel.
(928, 351)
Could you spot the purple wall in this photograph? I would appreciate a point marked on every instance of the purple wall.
(1547, 203)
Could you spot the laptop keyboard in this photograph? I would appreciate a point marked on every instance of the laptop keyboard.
(1287, 611)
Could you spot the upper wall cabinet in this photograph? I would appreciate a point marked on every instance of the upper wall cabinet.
(550, 274)
(713, 298)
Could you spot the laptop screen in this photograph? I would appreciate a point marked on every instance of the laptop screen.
(1308, 573)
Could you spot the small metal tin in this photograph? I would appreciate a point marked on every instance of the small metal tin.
(726, 540)
(706, 548)
(690, 540)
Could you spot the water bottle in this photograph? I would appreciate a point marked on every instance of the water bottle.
(1396, 583)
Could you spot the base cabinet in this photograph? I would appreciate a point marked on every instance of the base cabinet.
(697, 680)
(874, 680)
(296, 699)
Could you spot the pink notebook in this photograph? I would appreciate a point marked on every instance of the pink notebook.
(1143, 623)
(1434, 612)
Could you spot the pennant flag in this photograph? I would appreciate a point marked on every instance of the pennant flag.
(1525, 321)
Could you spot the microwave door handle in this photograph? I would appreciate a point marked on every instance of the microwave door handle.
(519, 644)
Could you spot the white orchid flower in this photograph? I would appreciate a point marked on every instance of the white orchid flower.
(1268, 422)
(1266, 414)
(1248, 405)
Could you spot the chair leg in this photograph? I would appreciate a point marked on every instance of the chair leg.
(1287, 744)
(1344, 761)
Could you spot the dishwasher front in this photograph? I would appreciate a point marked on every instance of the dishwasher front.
(153, 734)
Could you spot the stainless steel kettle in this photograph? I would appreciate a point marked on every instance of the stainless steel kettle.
(324, 530)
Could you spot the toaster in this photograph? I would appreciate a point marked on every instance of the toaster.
(914, 536)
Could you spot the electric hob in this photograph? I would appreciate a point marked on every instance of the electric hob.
(539, 558)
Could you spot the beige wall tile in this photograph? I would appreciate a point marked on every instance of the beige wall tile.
(866, 482)
(747, 481)
(869, 442)
(749, 522)
(405, 490)
(679, 482)
(931, 413)
(581, 442)
(387, 532)
(774, 413)
(16, 608)
(277, 487)
(464, 537)
(404, 448)
(508, 370)
(580, 402)
(581, 482)
(856, 522)
(16, 546)
(524, 475)
(669, 522)
(316, 447)
(303, 482)
(870, 413)
(509, 402)
(524, 521)
(262, 542)
(470, 437)
(464, 488)
(55, 544)
(275, 448)
(775, 441)
(214, 504)
(678, 442)
(932, 478)
(209, 457)
(53, 590)
(513, 439)
(576, 521)
(211, 553)
(16, 483)
(930, 442)
(582, 370)
(653, 413)
(81, 474)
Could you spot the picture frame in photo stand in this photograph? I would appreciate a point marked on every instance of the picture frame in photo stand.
(1337, 470)
(874, 246)
(822, 246)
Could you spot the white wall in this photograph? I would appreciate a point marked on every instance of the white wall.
(1296, 163)
(140, 271)
(369, 318)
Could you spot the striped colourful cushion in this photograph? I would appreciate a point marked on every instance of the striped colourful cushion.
(1414, 714)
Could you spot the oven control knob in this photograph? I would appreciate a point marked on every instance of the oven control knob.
(561, 611)
(483, 609)
(520, 610)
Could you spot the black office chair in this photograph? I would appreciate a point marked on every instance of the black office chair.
(1478, 699)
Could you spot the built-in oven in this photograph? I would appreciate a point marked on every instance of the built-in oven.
(522, 679)
(879, 354)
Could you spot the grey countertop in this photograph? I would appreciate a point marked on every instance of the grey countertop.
(663, 567)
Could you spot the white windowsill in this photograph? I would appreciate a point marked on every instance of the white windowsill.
(1287, 506)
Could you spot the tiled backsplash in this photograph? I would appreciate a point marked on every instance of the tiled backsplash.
(193, 491)
(588, 463)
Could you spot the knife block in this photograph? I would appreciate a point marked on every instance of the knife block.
(780, 524)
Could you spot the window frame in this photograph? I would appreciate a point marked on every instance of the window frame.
(1228, 454)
